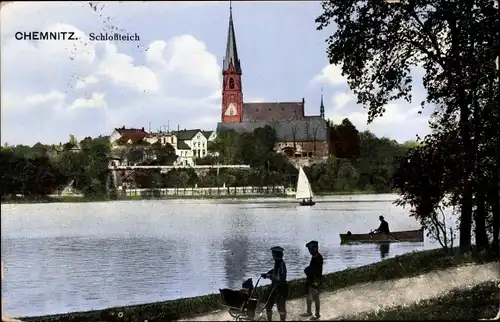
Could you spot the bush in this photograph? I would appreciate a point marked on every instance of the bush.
(478, 302)
(407, 265)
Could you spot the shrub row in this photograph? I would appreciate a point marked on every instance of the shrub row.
(481, 301)
(408, 265)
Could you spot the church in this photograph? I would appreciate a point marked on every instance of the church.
(299, 135)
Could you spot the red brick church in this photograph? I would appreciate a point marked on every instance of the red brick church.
(298, 134)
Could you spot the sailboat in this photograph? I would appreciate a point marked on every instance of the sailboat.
(304, 192)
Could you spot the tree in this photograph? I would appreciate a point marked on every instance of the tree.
(165, 154)
(135, 154)
(437, 35)
(295, 128)
(315, 138)
(345, 139)
(208, 160)
(226, 144)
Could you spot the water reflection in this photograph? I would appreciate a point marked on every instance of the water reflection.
(384, 249)
(236, 260)
(347, 253)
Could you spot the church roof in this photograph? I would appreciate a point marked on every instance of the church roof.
(231, 51)
(310, 128)
(278, 111)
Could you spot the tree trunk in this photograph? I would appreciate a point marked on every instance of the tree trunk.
(495, 209)
(466, 202)
(480, 222)
(457, 87)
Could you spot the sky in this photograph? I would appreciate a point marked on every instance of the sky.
(170, 78)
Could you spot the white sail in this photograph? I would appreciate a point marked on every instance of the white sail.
(303, 187)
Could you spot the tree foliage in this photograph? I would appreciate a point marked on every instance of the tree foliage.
(370, 170)
(379, 44)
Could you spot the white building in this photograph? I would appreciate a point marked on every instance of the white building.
(189, 145)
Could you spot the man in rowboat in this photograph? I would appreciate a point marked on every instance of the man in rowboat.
(383, 228)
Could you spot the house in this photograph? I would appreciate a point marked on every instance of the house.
(162, 137)
(210, 135)
(54, 150)
(188, 144)
(75, 148)
(122, 137)
(192, 144)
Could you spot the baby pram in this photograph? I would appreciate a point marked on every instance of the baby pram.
(241, 304)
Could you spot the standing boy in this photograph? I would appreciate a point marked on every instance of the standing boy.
(313, 273)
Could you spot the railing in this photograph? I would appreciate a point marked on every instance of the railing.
(134, 167)
(205, 191)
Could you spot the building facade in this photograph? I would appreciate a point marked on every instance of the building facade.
(298, 135)
(189, 145)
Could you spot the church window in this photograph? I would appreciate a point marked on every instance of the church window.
(231, 83)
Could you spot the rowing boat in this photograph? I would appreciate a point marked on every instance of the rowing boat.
(415, 236)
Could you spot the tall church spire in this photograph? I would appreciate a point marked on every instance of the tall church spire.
(231, 51)
(322, 106)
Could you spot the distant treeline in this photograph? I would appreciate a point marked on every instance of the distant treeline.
(358, 162)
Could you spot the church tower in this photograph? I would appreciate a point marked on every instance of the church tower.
(232, 93)
(322, 106)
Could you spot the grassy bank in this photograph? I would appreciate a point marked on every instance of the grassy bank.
(479, 302)
(408, 265)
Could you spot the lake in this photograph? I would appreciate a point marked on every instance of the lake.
(64, 257)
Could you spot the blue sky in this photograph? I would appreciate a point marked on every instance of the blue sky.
(172, 76)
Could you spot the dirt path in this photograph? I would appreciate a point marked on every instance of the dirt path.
(370, 296)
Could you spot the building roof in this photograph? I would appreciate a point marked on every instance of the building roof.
(310, 128)
(134, 136)
(187, 134)
(159, 134)
(181, 145)
(268, 111)
(231, 57)
(207, 133)
(122, 130)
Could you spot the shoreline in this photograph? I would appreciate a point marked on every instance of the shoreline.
(363, 298)
(83, 199)
(404, 266)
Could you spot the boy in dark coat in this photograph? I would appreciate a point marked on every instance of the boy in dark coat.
(279, 289)
(314, 273)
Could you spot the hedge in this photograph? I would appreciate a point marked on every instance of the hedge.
(407, 265)
(481, 301)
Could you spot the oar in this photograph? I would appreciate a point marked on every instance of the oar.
(390, 236)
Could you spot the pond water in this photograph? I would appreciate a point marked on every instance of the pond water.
(64, 257)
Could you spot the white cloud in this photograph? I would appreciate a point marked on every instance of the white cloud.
(400, 121)
(340, 100)
(84, 82)
(187, 58)
(120, 68)
(43, 98)
(173, 80)
(330, 75)
(97, 100)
